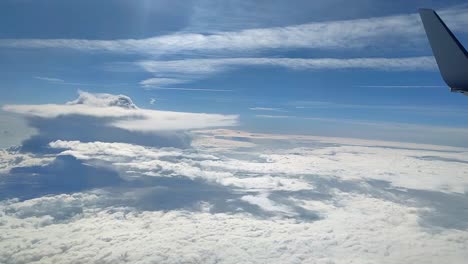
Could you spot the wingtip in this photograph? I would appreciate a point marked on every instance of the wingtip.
(426, 10)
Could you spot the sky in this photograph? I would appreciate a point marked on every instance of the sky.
(318, 67)
(243, 131)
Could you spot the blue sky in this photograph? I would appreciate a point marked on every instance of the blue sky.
(360, 69)
(234, 131)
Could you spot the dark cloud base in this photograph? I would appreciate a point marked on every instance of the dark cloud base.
(91, 129)
(66, 174)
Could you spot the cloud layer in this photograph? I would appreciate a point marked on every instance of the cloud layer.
(237, 197)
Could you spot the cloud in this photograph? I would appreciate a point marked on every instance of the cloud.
(188, 89)
(275, 116)
(419, 109)
(111, 118)
(177, 72)
(65, 174)
(123, 114)
(14, 129)
(49, 79)
(103, 100)
(209, 66)
(397, 30)
(310, 199)
(12, 158)
(411, 172)
(188, 70)
(155, 82)
(267, 109)
(353, 227)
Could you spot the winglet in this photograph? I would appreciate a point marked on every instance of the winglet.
(451, 56)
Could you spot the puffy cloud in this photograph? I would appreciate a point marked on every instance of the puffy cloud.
(11, 158)
(290, 199)
(103, 100)
(422, 167)
(357, 228)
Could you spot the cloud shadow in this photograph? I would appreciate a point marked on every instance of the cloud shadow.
(90, 129)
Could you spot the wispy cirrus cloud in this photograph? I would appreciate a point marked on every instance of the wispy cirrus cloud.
(175, 72)
(49, 79)
(422, 109)
(208, 66)
(399, 30)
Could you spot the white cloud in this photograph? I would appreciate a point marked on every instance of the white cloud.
(313, 203)
(209, 66)
(49, 79)
(156, 82)
(11, 158)
(356, 229)
(129, 117)
(398, 163)
(266, 204)
(267, 109)
(402, 166)
(275, 116)
(351, 34)
(188, 89)
(183, 71)
(103, 100)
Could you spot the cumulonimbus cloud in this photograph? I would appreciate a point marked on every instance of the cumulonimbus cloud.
(111, 118)
(124, 114)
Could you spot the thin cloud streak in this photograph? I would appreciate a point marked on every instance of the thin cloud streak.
(419, 109)
(401, 86)
(190, 89)
(386, 125)
(276, 116)
(272, 109)
(62, 82)
(49, 79)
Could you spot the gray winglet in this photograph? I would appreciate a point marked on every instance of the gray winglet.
(451, 56)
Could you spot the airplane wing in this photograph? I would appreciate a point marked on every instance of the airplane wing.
(451, 56)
